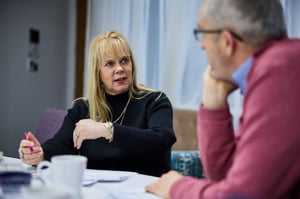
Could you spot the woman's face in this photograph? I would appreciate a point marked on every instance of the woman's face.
(116, 74)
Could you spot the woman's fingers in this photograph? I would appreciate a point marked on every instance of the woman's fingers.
(87, 129)
(32, 158)
(33, 139)
(75, 137)
(30, 153)
(78, 139)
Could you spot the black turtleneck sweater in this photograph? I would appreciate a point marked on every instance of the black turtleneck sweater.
(142, 143)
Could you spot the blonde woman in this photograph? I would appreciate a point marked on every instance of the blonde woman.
(120, 124)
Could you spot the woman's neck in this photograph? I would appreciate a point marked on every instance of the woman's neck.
(118, 104)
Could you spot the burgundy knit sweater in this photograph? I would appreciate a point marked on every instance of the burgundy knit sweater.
(261, 160)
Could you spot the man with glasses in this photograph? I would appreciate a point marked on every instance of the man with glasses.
(247, 48)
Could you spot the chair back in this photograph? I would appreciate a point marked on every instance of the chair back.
(50, 122)
(185, 127)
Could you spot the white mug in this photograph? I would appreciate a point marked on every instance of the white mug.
(66, 171)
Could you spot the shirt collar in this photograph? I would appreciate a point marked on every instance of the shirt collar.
(239, 76)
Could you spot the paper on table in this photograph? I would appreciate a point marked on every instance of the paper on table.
(92, 176)
(129, 193)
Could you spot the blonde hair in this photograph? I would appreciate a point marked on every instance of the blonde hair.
(112, 42)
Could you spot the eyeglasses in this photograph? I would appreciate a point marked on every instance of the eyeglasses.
(199, 31)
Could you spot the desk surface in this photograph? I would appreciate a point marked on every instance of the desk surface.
(132, 188)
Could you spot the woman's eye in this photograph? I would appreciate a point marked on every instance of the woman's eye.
(124, 60)
(109, 64)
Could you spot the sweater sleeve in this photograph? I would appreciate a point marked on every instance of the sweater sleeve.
(62, 142)
(252, 167)
(216, 141)
(216, 144)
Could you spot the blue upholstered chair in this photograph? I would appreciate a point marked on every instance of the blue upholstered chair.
(187, 163)
(50, 122)
(184, 156)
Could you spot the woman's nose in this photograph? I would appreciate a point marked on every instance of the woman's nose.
(119, 69)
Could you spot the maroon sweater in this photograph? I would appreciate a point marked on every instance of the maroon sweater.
(262, 159)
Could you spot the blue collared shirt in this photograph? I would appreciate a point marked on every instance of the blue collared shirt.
(239, 76)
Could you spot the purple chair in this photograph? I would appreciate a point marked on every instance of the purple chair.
(50, 122)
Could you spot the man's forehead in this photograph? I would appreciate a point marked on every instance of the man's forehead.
(202, 23)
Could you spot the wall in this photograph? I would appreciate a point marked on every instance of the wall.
(25, 94)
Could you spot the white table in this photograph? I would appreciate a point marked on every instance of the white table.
(132, 188)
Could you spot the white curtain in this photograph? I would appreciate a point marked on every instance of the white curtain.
(160, 33)
(291, 12)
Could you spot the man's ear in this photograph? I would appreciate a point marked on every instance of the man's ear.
(229, 43)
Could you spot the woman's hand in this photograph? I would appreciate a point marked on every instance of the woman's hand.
(30, 150)
(163, 186)
(87, 129)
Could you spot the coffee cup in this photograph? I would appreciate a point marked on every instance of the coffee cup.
(66, 171)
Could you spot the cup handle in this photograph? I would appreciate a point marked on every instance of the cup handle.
(43, 176)
(42, 165)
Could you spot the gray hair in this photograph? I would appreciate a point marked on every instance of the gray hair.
(256, 21)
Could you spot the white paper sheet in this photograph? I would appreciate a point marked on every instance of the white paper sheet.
(93, 176)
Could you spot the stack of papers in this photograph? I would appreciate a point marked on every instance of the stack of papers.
(93, 176)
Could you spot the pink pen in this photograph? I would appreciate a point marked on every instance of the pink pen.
(27, 138)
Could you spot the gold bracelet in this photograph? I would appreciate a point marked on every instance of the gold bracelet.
(109, 131)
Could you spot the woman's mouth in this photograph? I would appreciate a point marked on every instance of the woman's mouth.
(120, 80)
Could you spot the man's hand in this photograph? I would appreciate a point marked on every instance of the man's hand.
(163, 186)
(215, 92)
